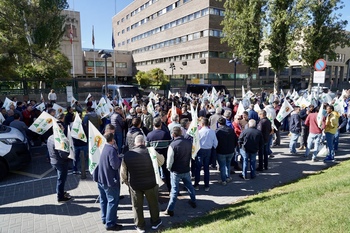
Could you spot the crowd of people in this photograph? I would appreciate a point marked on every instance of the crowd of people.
(228, 130)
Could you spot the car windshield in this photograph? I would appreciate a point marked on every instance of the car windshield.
(128, 92)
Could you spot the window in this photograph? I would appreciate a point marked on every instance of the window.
(121, 65)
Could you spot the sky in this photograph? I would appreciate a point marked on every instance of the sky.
(99, 13)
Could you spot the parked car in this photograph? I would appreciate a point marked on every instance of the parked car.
(14, 150)
(117, 92)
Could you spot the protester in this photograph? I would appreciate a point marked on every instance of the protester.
(108, 181)
(265, 128)
(295, 129)
(315, 135)
(138, 173)
(332, 124)
(52, 97)
(179, 156)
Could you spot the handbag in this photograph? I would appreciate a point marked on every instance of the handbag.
(323, 152)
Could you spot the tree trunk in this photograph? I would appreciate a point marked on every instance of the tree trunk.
(249, 78)
(276, 82)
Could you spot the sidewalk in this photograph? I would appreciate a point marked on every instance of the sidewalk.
(28, 199)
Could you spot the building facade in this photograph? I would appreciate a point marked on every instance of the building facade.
(181, 37)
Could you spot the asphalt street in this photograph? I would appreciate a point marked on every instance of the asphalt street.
(28, 200)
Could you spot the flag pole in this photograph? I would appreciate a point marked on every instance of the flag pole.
(93, 44)
(71, 41)
(114, 51)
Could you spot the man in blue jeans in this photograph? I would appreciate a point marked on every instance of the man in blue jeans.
(59, 160)
(295, 129)
(227, 142)
(107, 176)
(178, 163)
(207, 140)
(251, 140)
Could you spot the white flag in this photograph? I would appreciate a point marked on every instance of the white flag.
(193, 131)
(153, 154)
(151, 95)
(96, 144)
(169, 94)
(42, 98)
(71, 145)
(103, 109)
(72, 101)
(257, 108)
(243, 92)
(240, 109)
(94, 104)
(42, 124)
(59, 109)
(8, 103)
(77, 129)
(150, 108)
(339, 105)
(87, 98)
(320, 117)
(40, 107)
(285, 110)
(61, 141)
(2, 119)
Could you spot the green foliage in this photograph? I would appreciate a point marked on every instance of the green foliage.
(30, 35)
(323, 31)
(243, 25)
(154, 77)
(283, 18)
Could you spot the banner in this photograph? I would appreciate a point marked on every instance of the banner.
(72, 101)
(42, 124)
(240, 109)
(71, 145)
(61, 141)
(103, 109)
(40, 107)
(2, 118)
(285, 110)
(87, 98)
(8, 103)
(96, 144)
(77, 129)
(320, 117)
(153, 154)
(257, 108)
(193, 131)
(150, 108)
(59, 109)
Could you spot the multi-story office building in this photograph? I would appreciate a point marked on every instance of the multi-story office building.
(182, 37)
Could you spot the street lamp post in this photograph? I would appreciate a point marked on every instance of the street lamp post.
(105, 55)
(172, 67)
(234, 60)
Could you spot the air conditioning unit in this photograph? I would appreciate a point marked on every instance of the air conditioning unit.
(203, 61)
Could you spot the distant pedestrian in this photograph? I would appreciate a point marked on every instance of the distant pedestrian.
(52, 97)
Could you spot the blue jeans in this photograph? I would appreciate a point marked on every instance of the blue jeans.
(109, 200)
(224, 161)
(202, 159)
(293, 142)
(246, 157)
(269, 151)
(330, 141)
(313, 139)
(118, 136)
(175, 179)
(77, 150)
(336, 140)
(62, 171)
(264, 157)
(348, 124)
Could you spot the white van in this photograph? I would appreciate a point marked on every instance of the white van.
(126, 92)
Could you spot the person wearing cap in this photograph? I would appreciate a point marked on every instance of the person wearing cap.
(227, 142)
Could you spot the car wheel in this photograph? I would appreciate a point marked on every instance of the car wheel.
(3, 170)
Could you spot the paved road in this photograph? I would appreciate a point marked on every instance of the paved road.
(28, 199)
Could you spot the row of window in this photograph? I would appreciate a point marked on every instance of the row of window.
(102, 64)
(157, 14)
(185, 19)
(178, 40)
(186, 57)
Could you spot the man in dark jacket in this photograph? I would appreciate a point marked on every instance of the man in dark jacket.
(178, 162)
(295, 129)
(160, 140)
(107, 176)
(251, 141)
(265, 128)
(133, 132)
(59, 160)
(118, 121)
(227, 141)
(138, 173)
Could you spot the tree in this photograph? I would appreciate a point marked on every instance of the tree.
(30, 35)
(243, 25)
(154, 77)
(283, 17)
(322, 32)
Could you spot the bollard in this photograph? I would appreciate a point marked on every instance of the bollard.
(83, 170)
